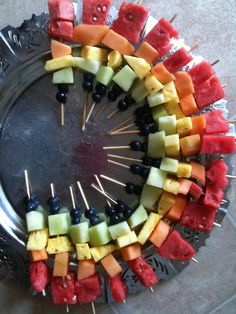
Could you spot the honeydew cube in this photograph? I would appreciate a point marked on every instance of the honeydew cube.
(127, 239)
(152, 84)
(172, 145)
(59, 245)
(87, 65)
(64, 210)
(159, 111)
(167, 124)
(99, 234)
(138, 217)
(149, 196)
(119, 230)
(139, 91)
(114, 59)
(94, 53)
(79, 233)
(101, 251)
(59, 224)
(171, 185)
(170, 93)
(105, 75)
(173, 107)
(59, 63)
(167, 200)
(102, 217)
(156, 177)
(63, 76)
(125, 78)
(184, 170)
(83, 251)
(156, 100)
(35, 220)
(156, 145)
(169, 165)
(184, 126)
(140, 66)
(37, 240)
(148, 227)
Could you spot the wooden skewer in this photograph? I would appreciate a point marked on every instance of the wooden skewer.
(103, 193)
(62, 114)
(83, 195)
(101, 110)
(43, 293)
(124, 158)
(230, 177)
(217, 225)
(151, 289)
(123, 129)
(193, 47)
(27, 184)
(215, 62)
(90, 112)
(67, 309)
(84, 111)
(72, 195)
(115, 147)
(93, 308)
(232, 121)
(119, 125)
(52, 187)
(101, 187)
(112, 114)
(173, 18)
(117, 163)
(112, 180)
(194, 260)
(126, 132)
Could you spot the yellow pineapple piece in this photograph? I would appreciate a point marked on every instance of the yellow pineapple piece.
(83, 251)
(172, 147)
(127, 239)
(166, 201)
(173, 107)
(139, 65)
(171, 185)
(94, 53)
(148, 227)
(59, 63)
(184, 126)
(37, 240)
(59, 245)
(152, 84)
(184, 170)
(114, 59)
(99, 252)
(170, 93)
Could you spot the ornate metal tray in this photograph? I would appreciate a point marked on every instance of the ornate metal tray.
(31, 138)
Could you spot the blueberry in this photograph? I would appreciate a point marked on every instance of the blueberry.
(117, 89)
(153, 128)
(139, 112)
(147, 161)
(146, 108)
(94, 220)
(90, 212)
(139, 122)
(75, 220)
(61, 97)
(145, 129)
(128, 212)
(88, 77)
(120, 207)
(96, 97)
(115, 219)
(144, 172)
(122, 105)
(111, 96)
(75, 212)
(149, 118)
(129, 100)
(53, 201)
(156, 163)
(30, 207)
(130, 188)
(138, 190)
(135, 169)
(55, 209)
(144, 147)
(110, 211)
(136, 146)
(101, 89)
(63, 88)
(88, 86)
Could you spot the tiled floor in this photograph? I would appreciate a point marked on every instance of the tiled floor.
(210, 285)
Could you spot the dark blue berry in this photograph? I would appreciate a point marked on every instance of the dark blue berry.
(96, 97)
(144, 147)
(88, 77)
(136, 146)
(117, 89)
(61, 97)
(120, 207)
(148, 118)
(75, 220)
(130, 188)
(145, 129)
(122, 105)
(129, 100)
(30, 207)
(110, 211)
(140, 122)
(94, 220)
(135, 169)
(138, 190)
(55, 209)
(75, 212)
(147, 161)
(144, 172)
(88, 86)
(90, 212)
(139, 112)
(111, 96)
(115, 219)
(63, 88)
(101, 89)
(128, 212)
(156, 163)
(53, 201)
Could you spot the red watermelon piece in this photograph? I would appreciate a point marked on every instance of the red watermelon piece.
(209, 92)
(144, 272)
(39, 276)
(201, 72)
(63, 289)
(61, 10)
(195, 191)
(216, 144)
(88, 289)
(198, 217)
(217, 174)
(61, 29)
(175, 247)
(216, 123)
(213, 196)
(165, 26)
(178, 60)
(96, 11)
(118, 288)
(131, 21)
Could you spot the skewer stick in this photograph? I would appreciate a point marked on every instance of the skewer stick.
(112, 180)
(124, 158)
(173, 18)
(43, 293)
(215, 62)
(121, 124)
(126, 132)
(93, 308)
(194, 260)
(84, 111)
(83, 195)
(90, 112)
(27, 184)
(193, 47)
(103, 193)
(230, 177)
(101, 110)
(217, 225)
(72, 195)
(112, 114)
(67, 309)
(62, 114)
(232, 121)
(151, 289)
(52, 187)
(117, 163)
(123, 129)
(115, 147)
(101, 187)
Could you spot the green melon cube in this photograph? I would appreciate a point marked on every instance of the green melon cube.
(167, 124)
(155, 99)
(35, 220)
(119, 230)
(105, 75)
(125, 78)
(79, 233)
(149, 196)
(64, 76)
(99, 234)
(156, 177)
(58, 224)
(159, 111)
(169, 165)
(139, 91)
(88, 65)
(156, 145)
(138, 217)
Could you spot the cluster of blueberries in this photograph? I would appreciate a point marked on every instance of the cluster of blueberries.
(93, 216)
(100, 89)
(119, 212)
(54, 203)
(61, 95)
(31, 203)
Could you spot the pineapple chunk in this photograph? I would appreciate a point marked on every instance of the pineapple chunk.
(173, 107)
(166, 201)
(83, 251)
(139, 65)
(172, 145)
(170, 93)
(59, 245)
(184, 170)
(152, 84)
(59, 63)
(148, 227)
(94, 53)
(114, 60)
(37, 240)
(87, 65)
(171, 185)
(184, 126)
(127, 239)
(99, 252)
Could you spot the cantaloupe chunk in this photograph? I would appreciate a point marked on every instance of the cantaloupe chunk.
(160, 233)
(35, 256)
(118, 43)
(188, 105)
(89, 34)
(61, 265)
(86, 268)
(190, 145)
(184, 186)
(162, 74)
(198, 172)
(147, 52)
(59, 49)
(131, 252)
(198, 125)
(177, 209)
(111, 265)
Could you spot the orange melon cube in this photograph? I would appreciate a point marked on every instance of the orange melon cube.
(177, 209)
(183, 84)
(190, 145)
(188, 105)
(160, 233)
(59, 49)
(111, 265)
(198, 172)
(162, 74)
(147, 52)
(35, 256)
(86, 268)
(131, 252)
(61, 265)
(198, 125)
(91, 35)
(184, 186)
(118, 43)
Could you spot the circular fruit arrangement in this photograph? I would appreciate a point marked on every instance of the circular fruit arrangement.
(175, 112)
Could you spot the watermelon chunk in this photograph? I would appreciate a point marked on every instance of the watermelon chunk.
(63, 289)
(131, 20)
(61, 10)
(178, 60)
(195, 191)
(217, 174)
(96, 11)
(198, 217)
(39, 276)
(144, 272)
(60, 29)
(89, 289)
(209, 92)
(216, 144)
(175, 247)
(118, 288)
(201, 72)
(165, 26)
(216, 123)
(213, 196)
